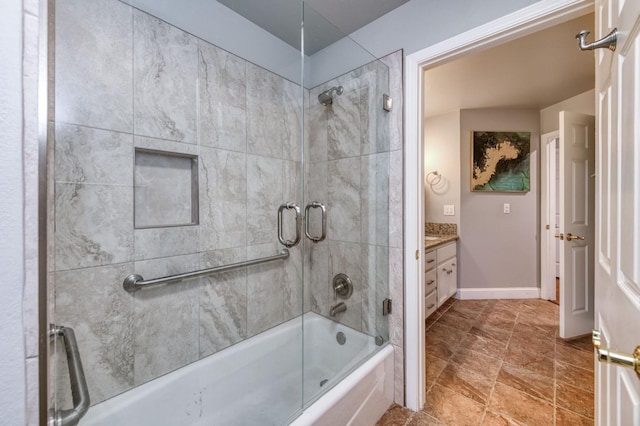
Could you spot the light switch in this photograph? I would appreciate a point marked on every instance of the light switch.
(449, 210)
(507, 208)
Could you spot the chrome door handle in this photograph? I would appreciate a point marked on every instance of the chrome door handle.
(283, 241)
(571, 237)
(614, 357)
(609, 41)
(79, 389)
(315, 205)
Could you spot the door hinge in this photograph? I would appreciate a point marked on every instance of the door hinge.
(547, 227)
(417, 254)
(386, 307)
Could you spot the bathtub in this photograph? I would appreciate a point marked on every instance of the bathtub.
(260, 382)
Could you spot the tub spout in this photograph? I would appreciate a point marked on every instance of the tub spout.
(337, 309)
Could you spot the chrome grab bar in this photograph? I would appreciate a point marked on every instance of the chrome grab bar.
(315, 205)
(135, 282)
(79, 389)
(283, 241)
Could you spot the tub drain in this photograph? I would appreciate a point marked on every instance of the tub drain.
(341, 338)
(323, 382)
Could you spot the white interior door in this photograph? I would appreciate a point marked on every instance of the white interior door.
(548, 216)
(617, 257)
(577, 217)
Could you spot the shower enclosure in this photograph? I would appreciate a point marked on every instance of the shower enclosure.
(184, 138)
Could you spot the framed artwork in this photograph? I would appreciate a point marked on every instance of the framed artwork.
(500, 161)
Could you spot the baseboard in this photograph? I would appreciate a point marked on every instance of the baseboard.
(498, 293)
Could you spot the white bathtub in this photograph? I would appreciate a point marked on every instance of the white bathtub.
(259, 382)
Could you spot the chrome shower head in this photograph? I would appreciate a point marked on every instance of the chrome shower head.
(326, 97)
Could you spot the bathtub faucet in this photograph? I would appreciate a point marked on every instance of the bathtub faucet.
(337, 309)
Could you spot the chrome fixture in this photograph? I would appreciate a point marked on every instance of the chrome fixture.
(326, 97)
(387, 307)
(341, 338)
(609, 41)
(433, 178)
(387, 102)
(283, 241)
(337, 309)
(379, 340)
(316, 205)
(342, 287)
(79, 388)
(135, 282)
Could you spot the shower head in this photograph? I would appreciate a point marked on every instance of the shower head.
(326, 97)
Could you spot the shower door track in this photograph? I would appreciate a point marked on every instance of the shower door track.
(135, 282)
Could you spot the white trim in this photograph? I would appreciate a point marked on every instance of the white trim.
(536, 17)
(498, 293)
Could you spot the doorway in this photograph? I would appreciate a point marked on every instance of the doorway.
(531, 19)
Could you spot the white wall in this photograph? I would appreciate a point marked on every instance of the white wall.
(442, 153)
(584, 103)
(498, 250)
(12, 361)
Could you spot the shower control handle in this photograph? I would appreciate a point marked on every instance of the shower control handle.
(323, 209)
(283, 241)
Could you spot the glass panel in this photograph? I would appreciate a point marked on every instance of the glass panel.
(208, 89)
(347, 150)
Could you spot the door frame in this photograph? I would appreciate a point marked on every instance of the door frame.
(540, 15)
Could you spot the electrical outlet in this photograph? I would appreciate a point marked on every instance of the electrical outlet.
(507, 208)
(449, 210)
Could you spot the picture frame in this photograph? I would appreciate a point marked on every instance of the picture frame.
(500, 161)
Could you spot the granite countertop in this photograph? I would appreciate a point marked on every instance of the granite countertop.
(430, 243)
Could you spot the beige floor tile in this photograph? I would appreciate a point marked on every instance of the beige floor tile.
(575, 376)
(395, 416)
(530, 361)
(527, 381)
(466, 382)
(435, 366)
(574, 356)
(484, 345)
(520, 406)
(486, 365)
(493, 419)
(573, 399)
(423, 419)
(568, 418)
(451, 408)
(491, 333)
(458, 320)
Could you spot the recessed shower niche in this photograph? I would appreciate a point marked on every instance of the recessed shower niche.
(165, 189)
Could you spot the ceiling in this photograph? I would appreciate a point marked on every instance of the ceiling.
(535, 71)
(326, 21)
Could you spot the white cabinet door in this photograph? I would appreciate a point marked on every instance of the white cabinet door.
(453, 277)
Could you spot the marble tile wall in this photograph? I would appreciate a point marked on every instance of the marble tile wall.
(143, 83)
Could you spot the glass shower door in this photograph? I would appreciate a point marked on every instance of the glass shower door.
(347, 153)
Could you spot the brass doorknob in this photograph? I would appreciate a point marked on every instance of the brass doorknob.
(571, 237)
(614, 357)
(560, 235)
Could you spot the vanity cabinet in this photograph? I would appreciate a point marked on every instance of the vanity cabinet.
(441, 276)
(430, 283)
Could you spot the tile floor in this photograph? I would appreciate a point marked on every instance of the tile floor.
(501, 362)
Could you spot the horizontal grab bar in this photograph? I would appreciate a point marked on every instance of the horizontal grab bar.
(135, 282)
